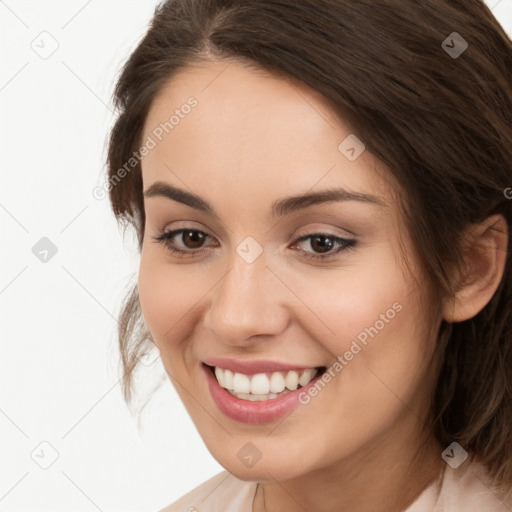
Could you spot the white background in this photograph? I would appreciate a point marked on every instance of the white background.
(60, 379)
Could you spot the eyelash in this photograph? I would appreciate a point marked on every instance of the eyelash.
(166, 237)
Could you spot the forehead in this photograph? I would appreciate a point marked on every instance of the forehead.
(250, 135)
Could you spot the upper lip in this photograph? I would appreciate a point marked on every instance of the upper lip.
(253, 366)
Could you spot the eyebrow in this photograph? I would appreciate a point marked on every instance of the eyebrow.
(280, 207)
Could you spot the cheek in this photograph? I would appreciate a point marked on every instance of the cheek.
(167, 296)
(385, 354)
(372, 317)
(353, 303)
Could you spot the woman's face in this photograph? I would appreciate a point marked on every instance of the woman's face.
(246, 293)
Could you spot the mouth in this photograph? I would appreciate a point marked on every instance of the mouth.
(259, 387)
(258, 398)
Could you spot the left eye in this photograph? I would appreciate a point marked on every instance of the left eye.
(193, 239)
(325, 242)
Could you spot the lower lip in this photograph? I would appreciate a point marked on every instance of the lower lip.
(254, 412)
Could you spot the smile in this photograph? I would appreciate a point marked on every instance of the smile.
(263, 386)
(258, 396)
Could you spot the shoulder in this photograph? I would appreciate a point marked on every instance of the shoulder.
(468, 488)
(221, 492)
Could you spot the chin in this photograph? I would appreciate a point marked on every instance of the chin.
(263, 470)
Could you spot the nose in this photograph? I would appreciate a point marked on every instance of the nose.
(248, 302)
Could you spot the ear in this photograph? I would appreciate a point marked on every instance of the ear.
(485, 255)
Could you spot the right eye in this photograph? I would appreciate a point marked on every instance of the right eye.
(192, 239)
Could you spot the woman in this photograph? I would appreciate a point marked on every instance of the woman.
(319, 190)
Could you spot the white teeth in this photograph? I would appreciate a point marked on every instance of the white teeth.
(306, 376)
(241, 383)
(277, 382)
(291, 381)
(258, 398)
(260, 386)
(220, 376)
(228, 379)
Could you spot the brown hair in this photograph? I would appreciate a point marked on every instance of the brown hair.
(442, 124)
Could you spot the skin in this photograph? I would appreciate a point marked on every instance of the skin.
(252, 139)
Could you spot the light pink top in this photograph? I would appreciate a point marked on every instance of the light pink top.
(462, 490)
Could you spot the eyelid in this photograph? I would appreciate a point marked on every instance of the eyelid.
(318, 230)
(308, 230)
(344, 244)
